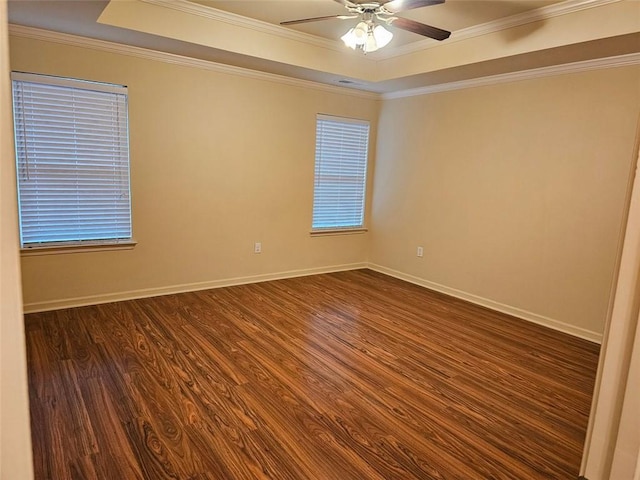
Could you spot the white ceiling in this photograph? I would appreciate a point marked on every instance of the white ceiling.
(489, 36)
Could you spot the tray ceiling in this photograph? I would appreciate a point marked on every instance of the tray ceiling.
(489, 36)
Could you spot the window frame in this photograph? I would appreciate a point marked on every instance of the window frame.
(47, 247)
(337, 229)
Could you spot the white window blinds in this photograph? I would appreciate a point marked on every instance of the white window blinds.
(72, 153)
(340, 173)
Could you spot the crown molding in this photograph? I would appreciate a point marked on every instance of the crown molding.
(112, 47)
(542, 13)
(576, 67)
(102, 45)
(185, 6)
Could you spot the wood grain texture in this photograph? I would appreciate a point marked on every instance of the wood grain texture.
(352, 375)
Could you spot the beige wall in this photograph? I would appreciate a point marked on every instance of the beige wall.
(15, 439)
(218, 162)
(516, 191)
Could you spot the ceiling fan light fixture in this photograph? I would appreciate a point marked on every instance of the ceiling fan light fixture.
(357, 36)
(367, 37)
(371, 44)
(360, 33)
(349, 39)
(382, 36)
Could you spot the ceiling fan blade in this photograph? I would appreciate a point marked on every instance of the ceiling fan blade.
(346, 3)
(317, 19)
(396, 6)
(420, 28)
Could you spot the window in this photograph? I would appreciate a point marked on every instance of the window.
(340, 174)
(72, 154)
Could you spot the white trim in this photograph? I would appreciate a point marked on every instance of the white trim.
(77, 248)
(102, 45)
(335, 118)
(182, 288)
(234, 19)
(69, 82)
(326, 232)
(493, 305)
(229, 282)
(538, 14)
(575, 67)
(617, 347)
(111, 47)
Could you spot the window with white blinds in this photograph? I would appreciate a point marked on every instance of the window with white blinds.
(72, 154)
(340, 173)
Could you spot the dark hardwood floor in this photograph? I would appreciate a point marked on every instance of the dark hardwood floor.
(351, 375)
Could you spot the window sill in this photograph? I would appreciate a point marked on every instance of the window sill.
(76, 248)
(337, 231)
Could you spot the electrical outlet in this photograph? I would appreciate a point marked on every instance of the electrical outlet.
(420, 252)
(257, 247)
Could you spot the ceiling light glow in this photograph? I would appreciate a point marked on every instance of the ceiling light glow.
(367, 36)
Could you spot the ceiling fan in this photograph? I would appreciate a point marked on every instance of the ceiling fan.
(369, 34)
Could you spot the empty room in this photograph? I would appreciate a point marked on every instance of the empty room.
(320, 240)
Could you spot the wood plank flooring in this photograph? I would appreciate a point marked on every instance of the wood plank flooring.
(352, 375)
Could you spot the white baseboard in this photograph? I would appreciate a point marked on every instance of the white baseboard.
(188, 287)
(228, 282)
(500, 307)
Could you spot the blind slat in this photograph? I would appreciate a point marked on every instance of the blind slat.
(72, 154)
(340, 172)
